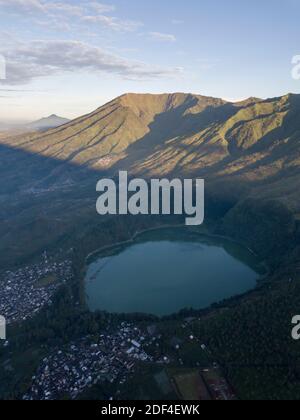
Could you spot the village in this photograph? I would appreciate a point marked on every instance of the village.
(114, 357)
(26, 291)
(111, 358)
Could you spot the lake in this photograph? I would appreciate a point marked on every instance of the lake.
(165, 271)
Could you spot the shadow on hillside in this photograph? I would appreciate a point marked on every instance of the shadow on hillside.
(47, 203)
(42, 201)
(174, 124)
(23, 172)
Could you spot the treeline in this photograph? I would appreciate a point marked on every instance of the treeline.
(253, 343)
(267, 226)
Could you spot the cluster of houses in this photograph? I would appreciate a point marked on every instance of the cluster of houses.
(111, 357)
(108, 357)
(26, 291)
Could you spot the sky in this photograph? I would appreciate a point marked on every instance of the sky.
(70, 57)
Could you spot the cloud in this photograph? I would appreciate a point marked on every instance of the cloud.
(23, 5)
(60, 15)
(158, 36)
(53, 24)
(69, 9)
(38, 6)
(101, 7)
(113, 23)
(36, 59)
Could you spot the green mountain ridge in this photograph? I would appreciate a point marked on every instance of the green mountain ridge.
(247, 152)
(251, 143)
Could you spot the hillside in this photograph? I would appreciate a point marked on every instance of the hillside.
(248, 153)
(101, 138)
(253, 142)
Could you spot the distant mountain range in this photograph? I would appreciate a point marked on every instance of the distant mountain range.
(11, 128)
(52, 121)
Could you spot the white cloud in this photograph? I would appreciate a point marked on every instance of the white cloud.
(21, 5)
(101, 7)
(158, 36)
(87, 12)
(36, 59)
(64, 8)
(113, 23)
(42, 7)
(53, 24)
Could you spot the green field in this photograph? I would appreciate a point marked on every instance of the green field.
(190, 386)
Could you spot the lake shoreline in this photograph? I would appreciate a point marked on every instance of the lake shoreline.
(204, 233)
(166, 227)
(190, 229)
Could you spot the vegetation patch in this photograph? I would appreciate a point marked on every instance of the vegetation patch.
(46, 281)
(190, 386)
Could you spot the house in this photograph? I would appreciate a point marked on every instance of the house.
(136, 344)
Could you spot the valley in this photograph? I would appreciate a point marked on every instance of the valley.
(248, 153)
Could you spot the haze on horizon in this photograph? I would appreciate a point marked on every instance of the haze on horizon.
(70, 57)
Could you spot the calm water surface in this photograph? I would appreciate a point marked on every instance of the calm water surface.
(169, 270)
